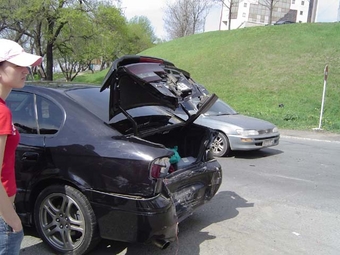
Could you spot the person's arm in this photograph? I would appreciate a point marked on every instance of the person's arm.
(7, 211)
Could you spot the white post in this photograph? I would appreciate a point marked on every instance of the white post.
(323, 94)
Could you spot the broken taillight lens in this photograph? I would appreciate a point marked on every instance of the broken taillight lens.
(160, 168)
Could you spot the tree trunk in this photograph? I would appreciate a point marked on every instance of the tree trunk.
(229, 21)
(271, 11)
(49, 61)
(49, 51)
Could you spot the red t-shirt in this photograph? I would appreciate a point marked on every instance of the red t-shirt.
(13, 137)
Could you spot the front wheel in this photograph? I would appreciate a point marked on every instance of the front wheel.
(220, 146)
(65, 220)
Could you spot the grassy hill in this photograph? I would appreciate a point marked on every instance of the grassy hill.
(257, 69)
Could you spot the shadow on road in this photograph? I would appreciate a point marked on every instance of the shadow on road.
(192, 231)
(266, 152)
(38, 247)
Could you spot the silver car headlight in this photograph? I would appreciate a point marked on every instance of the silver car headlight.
(275, 130)
(249, 132)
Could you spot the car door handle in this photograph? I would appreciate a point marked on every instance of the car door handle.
(30, 156)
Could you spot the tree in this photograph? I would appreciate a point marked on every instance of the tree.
(76, 45)
(269, 4)
(73, 33)
(141, 35)
(229, 4)
(185, 17)
(18, 24)
(112, 33)
(40, 20)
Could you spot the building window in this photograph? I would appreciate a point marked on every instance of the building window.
(301, 12)
(302, 2)
(293, 1)
(244, 15)
(245, 4)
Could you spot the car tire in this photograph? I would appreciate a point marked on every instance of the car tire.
(65, 220)
(220, 146)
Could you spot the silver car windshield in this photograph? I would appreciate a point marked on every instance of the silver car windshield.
(220, 108)
(217, 109)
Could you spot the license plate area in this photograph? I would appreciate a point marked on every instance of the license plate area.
(269, 142)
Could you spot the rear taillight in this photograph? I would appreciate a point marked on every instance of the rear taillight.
(160, 168)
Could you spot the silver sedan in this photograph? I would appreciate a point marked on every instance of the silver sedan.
(236, 132)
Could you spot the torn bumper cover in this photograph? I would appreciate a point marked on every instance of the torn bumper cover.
(137, 219)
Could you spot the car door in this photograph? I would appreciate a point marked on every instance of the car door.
(33, 118)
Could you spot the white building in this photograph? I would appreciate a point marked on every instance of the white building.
(247, 13)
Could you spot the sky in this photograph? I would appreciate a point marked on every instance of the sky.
(153, 10)
(327, 10)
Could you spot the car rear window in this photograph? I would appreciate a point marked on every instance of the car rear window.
(93, 100)
(98, 103)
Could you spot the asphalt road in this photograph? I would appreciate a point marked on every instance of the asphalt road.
(281, 200)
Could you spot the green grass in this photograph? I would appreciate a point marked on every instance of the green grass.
(96, 77)
(256, 69)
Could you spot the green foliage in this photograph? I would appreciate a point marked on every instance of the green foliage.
(73, 33)
(96, 78)
(111, 32)
(145, 27)
(75, 46)
(141, 35)
(258, 69)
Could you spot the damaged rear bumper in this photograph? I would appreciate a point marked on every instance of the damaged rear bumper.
(138, 219)
(135, 219)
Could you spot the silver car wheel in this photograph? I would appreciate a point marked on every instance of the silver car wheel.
(62, 221)
(220, 147)
(65, 220)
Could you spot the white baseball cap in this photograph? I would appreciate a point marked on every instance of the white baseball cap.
(12, 52)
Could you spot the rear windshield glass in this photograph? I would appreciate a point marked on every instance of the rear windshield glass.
(98, 103)
(93, 100)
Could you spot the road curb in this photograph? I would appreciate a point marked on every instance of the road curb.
(318, 135)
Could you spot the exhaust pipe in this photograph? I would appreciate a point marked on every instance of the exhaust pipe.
(162, 244)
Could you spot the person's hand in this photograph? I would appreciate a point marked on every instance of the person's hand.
(16, 226)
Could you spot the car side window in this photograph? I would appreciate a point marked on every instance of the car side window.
(23, 111)
(50, 116)
(34, 114)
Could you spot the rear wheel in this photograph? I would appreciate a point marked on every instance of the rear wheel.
(220, 147)
(65, 220)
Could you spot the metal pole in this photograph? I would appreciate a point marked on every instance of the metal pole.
(323, 94)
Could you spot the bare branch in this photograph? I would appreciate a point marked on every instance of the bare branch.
(186, 17)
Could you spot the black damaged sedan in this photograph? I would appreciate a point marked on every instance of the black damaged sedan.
(111, 162)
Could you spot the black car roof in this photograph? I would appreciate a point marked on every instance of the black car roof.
(58, 85)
